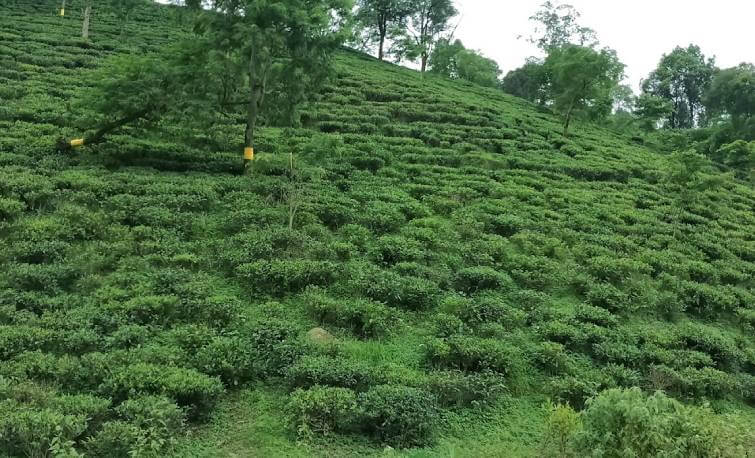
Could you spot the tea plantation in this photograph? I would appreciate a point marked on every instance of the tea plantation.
(466, 262)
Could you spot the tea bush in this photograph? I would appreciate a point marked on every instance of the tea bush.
(399, 415)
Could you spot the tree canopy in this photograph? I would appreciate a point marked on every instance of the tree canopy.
(682, 77)
(583, 80)
(377, 20)
(557, 25)
(453, 60)
(732, 92)
(428, 21)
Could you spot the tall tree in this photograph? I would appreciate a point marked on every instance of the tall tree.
(377, 18)
(265, 48)
(529, 82)
(557, 25)
(682, 78)
(651, 109)
(583, 81)
(428, 21)
(453, 60)
(732, 93)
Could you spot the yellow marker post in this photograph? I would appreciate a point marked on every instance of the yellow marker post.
(248, 154)
(77, 142)
(62, 11)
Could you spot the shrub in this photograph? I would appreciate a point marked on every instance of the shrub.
(189, 388)
(459, 389)
(279, 277)
(474, 279)
(636, 424)
(364, 318)
(120, 439)
(399, 415)
(229, 358)
(561, 426)
(389, 250)
(273, 345)
(446, 325)
(410, 293)
(322, 410)
(491, 310)
(474, 354)
(324, 370)
(29, 431)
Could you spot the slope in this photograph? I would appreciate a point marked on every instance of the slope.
(466, 260)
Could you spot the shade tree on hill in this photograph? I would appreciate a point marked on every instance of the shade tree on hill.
(453, 60)
(379, 20)
(258, 56)
(682, 78)
(583, 81)
(428, 22)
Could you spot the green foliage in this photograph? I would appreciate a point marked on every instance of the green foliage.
(562, 424)
(528, 82)
(558, 25)
(732, 92)
(188, 388)
(427, 21)
(322, 410)
(398, 415)
(327, 371)
(379, 20)
(279, 277)
(682, 78)
(452, 241)
(364, 318)
(632, 423)
(454, 61)
(583, 80)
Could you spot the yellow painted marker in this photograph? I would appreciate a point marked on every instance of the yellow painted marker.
(62, 11)
(248, 154)
(77, 142)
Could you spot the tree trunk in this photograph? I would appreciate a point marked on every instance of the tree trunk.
(252, 110)
(63, 8)
(424, 61)
(85, 25)
(99, 135)
(568, 119)
(382, 45)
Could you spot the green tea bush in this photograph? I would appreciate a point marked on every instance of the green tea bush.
(279, 277)
(474, 279)
(474, 354)
(228, 357)
(482, 310)
(399, 415)
(189, 388)
(323, 410)
(458, 389)
(637, 424)
(273, 345)
(27, 431)
(389, 250)
(364, 318)
(159, 415)
(341, 372)
(406, 292)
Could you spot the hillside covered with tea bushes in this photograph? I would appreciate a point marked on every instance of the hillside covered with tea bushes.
(467, 262)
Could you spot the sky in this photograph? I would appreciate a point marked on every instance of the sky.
(641, 31)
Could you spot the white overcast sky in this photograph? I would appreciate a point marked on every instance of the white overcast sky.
(641, 31)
